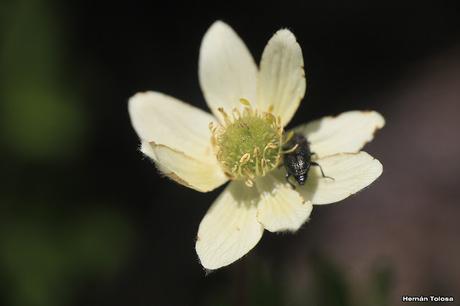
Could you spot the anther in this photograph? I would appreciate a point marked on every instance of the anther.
(244, 159)
(245, 102)
(225, 115)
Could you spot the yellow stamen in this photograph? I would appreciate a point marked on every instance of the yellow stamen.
(244, 159)
(245, 102)
(247, 142)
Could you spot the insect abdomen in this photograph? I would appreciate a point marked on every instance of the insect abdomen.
(297, 162)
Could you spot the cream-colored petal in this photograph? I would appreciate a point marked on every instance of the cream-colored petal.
(165, 120)
(281, 208)
(196, 174)
(147, 149)
(351, 172)
(348, 132)
(281, 83)
(227, 71)
(230, 228)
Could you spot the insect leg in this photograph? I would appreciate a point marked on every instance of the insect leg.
(291, 149)
(320, 168)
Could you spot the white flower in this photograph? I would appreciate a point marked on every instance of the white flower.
(250, 108)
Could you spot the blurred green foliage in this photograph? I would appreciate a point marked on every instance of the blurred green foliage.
(381, 284)
(48, 254)
(330, 286)
(40, 113)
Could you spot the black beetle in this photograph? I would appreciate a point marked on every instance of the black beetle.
(297, 159)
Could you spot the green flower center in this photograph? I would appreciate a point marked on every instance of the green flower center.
(248, 144)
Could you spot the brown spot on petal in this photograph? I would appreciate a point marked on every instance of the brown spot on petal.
(177, 179)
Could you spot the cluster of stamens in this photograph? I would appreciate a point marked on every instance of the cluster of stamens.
(247, 143)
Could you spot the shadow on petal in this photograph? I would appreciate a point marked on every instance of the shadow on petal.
(249, 197)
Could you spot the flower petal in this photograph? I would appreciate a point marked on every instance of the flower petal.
(281, 83)
(196, 174)
(348, 132)
(230, 228)
(148, 151)
(281, 208)
(227, 71)
(165, 120)
(351, 172)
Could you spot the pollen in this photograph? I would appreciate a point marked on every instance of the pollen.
(247, 142)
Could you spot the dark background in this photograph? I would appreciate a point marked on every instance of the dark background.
(86, 220)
